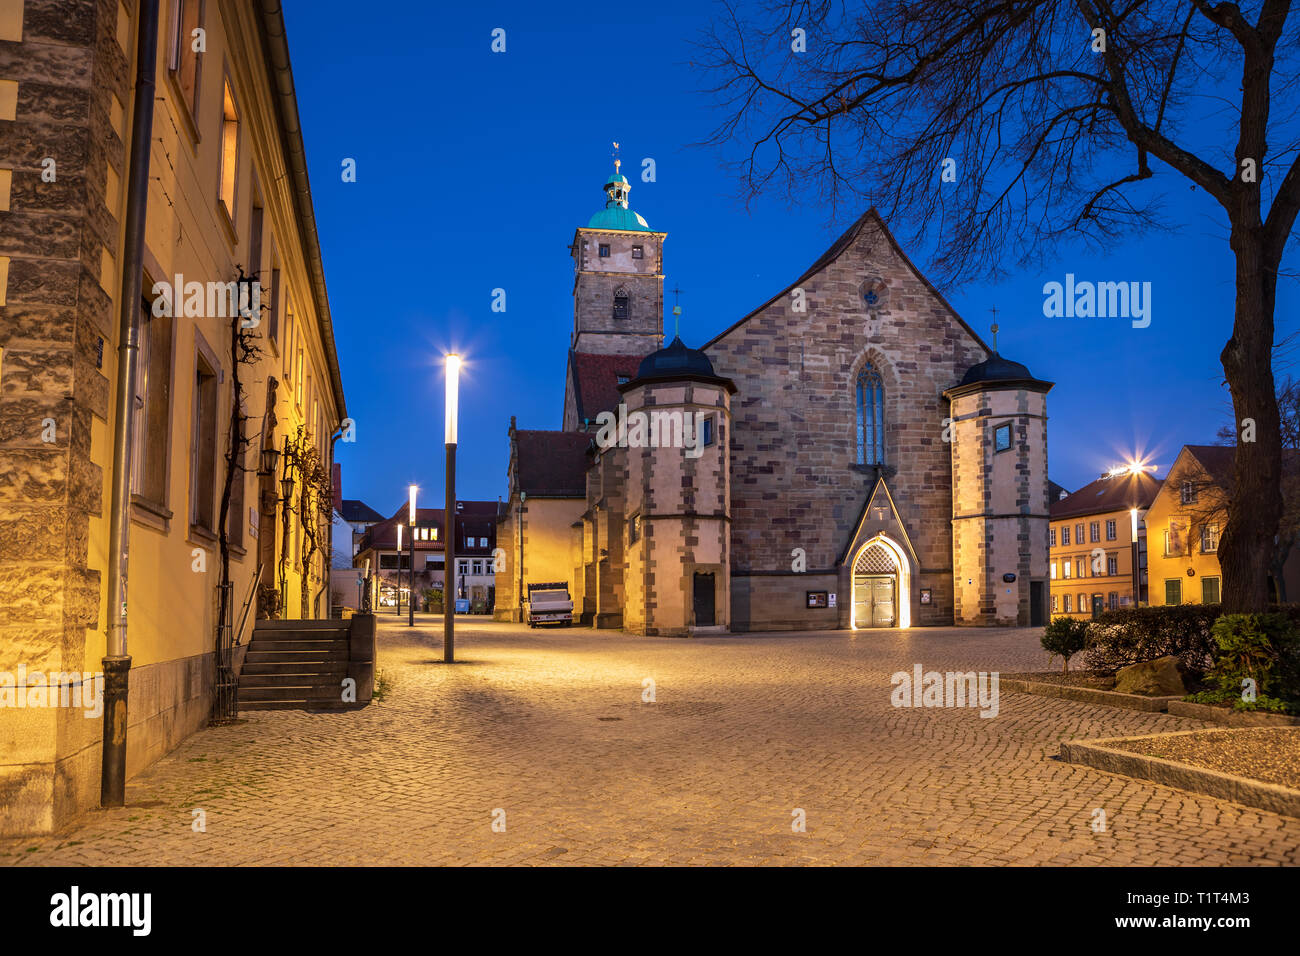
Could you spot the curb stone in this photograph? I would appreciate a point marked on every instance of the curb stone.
(1089, 695)
(1225, 786)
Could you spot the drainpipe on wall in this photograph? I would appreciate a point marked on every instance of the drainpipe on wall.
(117, 663)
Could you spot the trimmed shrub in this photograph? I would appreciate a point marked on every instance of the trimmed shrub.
(1136, 634)
(1065, 636)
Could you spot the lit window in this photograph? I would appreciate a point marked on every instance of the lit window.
(1209, 541)
(1002, 437)
(1053, 568)
(1067, 567)
(634, 529)
(871, 417)
(229, 151)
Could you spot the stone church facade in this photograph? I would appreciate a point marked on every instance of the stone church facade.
(868, 460)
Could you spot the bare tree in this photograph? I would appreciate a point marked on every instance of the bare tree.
(1053, 113)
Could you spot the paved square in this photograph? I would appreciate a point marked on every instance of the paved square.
(550, 727)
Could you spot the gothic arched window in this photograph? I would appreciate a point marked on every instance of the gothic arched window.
(871, 417)
(620, 304)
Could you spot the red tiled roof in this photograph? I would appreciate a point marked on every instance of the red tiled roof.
(1108, 494)
(595, 381)
(552, 464)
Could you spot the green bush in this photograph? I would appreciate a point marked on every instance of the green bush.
(433, 600)
(1135, 634)
(1262, 647)
(1233, 698)
(1065, 636)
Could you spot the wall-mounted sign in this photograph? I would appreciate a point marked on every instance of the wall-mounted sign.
(1009, 577)
(926, 596)
(832, 599)
(818, 598)
(1191, 572)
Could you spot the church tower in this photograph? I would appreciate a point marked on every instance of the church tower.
(618, 288)
(999, 495)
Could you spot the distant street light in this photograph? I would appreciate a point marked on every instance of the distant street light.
(449, 562)
(399, 570)
(411, 574)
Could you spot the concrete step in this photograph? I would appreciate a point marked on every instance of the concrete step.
(296, 677)
(295, 635)
(299, 644)
(296, 705)
(322, 625)
(258, 656)
(300, 692)
(271, 668)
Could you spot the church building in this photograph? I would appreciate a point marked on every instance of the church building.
(848, 455)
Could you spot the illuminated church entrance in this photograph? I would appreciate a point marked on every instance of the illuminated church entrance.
(880, 587)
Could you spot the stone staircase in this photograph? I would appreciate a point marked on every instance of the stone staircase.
(296, 665)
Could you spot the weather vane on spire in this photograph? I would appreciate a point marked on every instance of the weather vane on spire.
(617, 161)
(677, 311)
(994, 327)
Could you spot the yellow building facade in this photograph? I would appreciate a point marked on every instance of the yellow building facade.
(227, 191)
(1186, 522)
(1091, 545)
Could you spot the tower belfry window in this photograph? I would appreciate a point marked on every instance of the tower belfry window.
(620, 304)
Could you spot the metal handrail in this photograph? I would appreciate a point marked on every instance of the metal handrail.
(252, 591)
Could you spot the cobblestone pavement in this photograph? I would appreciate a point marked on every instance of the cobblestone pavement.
(550, 727)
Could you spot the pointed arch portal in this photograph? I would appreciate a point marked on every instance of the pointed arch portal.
(882, 585)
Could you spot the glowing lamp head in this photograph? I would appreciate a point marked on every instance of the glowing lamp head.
(399, 537)
(411, 510)
(453, 390)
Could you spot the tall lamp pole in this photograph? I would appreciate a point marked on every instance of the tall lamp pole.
(399, 571)
(1137, 579)
(411, 515)
(449, 564)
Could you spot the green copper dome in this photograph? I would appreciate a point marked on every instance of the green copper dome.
(616, 214)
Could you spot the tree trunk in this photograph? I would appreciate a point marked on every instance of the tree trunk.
(1255, 503)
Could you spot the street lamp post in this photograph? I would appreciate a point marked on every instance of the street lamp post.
(449, 564)
(1133, 529)
(398, 589)
(411, 601)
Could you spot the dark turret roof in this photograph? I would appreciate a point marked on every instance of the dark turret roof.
(995, 368)
(677, 361)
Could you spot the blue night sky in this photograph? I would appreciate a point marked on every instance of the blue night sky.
(474, 169)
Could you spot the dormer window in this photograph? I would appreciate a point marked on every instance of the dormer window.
(620, 304)
(623, 379)
(604, 250)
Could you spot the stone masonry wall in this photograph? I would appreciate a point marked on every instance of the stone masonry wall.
(795, 481)
(62, 241)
